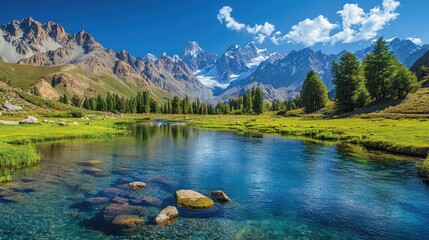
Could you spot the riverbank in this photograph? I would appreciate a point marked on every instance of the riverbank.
(403, 136)
(16, 141)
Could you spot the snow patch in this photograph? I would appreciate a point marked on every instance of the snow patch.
(209, 77)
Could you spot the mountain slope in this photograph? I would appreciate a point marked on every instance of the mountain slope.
(290, 71)
(82, 65)
(405, 50)
(422, 61)
(175, 76)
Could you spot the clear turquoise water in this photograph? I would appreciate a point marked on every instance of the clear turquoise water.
(280, 187)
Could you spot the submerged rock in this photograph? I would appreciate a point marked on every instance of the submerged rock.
(192, 199)
(136, 185)
(97, 200)
(91, 162)
(221, 196)
(127, 223)
(116, 209)
(112, 192)
(94, 171)
(120, 200)
(167, 216)
(29, 120)
(152, 200)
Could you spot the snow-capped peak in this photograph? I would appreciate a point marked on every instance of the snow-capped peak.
(175, 58)
(192, 48)
(150, 57)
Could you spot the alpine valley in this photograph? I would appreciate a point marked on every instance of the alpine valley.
(46, 57)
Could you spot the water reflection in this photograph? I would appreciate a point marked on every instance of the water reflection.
(279, 186)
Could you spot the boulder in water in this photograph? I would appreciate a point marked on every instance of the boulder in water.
(192, 199)
(221, 196)
(136, 185)
(167, 216)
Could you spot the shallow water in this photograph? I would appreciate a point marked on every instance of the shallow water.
(280, 187)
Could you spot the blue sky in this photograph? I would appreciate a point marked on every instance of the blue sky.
(167, 25)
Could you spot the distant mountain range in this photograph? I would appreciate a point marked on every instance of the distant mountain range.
(89, 68)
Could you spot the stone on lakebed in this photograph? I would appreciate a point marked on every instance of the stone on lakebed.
(127, 223)
(116, 209)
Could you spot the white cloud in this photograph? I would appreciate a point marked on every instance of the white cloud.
(416, 41)
(260, 32)
(356, 25)
(266, 29)
(309, 32)
(359, 26)
(225, 15)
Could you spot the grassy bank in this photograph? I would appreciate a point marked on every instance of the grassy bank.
(405, 136)
(16, 150)
(424, 168)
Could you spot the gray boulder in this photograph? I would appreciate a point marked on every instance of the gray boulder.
(10, 106)
(29, 120)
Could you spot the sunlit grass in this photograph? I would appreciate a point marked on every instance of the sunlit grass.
(17, 152)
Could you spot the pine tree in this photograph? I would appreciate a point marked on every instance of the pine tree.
(176, 105)
(404, 81)
(247, 103)
(379, 68)
(186, 105)
(258, 101)
(85, 104)
(349, 80)
(139, 103)
(154, 107)
(146, 102)
(110, 102)
(100, 104)
(314, 93)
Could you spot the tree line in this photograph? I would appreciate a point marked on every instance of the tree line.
(251, 101)
(378, 78)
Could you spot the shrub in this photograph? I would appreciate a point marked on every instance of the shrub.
(76, 114)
